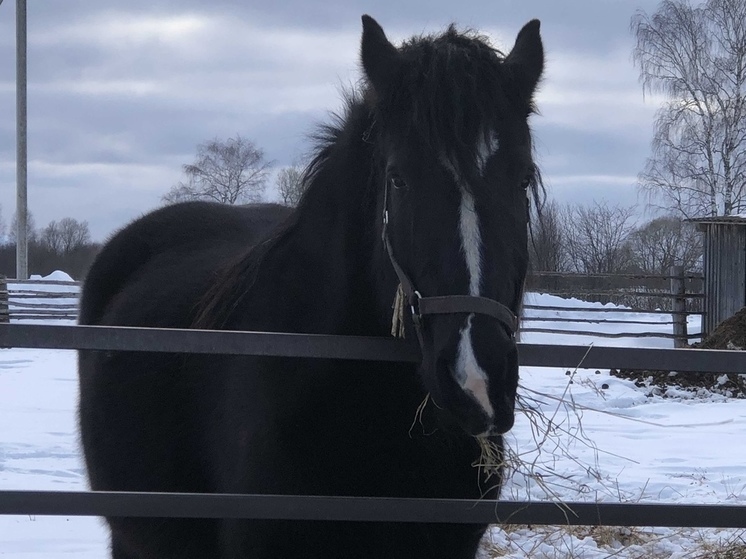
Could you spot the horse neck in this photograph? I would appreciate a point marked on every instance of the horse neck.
(317, 277)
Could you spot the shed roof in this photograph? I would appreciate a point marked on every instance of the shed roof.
(739, 219)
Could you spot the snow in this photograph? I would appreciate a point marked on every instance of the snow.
(609, 442)
(57, 275)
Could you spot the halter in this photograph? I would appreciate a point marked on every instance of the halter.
(421, 307)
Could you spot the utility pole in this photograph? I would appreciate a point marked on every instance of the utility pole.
(21, 145)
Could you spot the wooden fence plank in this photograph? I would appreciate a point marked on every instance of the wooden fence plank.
(4, 311)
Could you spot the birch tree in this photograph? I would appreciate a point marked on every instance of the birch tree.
(695, 56)
(233, 171)
(290, 184)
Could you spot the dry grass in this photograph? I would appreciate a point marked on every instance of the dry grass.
(534, 474)
(733, 547)
(569, 542)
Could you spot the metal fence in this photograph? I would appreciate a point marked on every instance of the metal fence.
(299, 507)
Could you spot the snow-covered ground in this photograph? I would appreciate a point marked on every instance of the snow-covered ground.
(608, 442)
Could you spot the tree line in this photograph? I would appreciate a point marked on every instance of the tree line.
(605, 239)
(61, 245)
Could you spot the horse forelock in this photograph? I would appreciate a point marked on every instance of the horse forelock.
(452, 94)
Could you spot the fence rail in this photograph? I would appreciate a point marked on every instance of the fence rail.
(272, 344)
(606, 310)
(580, 294)
(357, 508)
(651, 282)
(366, 509)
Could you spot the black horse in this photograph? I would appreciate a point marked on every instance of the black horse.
(420, 193)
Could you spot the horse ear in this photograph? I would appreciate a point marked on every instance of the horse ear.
(527, 59)
(379, 57)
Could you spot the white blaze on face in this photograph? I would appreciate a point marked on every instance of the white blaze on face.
(471, 377)
(469, 374)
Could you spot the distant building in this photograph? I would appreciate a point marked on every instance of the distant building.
(723, 266)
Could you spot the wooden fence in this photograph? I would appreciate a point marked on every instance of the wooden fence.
(677, 294)
(350, 509)
(613, 288)
(38, 299)
(4, 311)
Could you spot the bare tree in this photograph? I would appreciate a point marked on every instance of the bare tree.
(547, 251)
(230, 172)
(290, 184)
(596, 237)
(75, 234)
(31, 233)
(66, 236)
(664, 242)
(696, 57)
(51, 237)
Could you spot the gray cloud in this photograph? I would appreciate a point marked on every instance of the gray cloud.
(119, 95)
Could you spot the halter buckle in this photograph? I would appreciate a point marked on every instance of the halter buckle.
(415, 311)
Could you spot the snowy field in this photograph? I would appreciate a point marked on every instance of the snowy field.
(608, 442)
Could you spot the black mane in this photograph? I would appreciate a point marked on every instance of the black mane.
(234, 280)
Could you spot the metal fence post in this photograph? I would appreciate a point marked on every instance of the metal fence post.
(21, 147)
(678, 310)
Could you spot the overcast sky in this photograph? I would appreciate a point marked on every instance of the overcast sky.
(120, 93)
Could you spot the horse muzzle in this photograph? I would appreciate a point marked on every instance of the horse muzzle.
(472, 374)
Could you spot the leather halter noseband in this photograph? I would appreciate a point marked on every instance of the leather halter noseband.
(449, 304)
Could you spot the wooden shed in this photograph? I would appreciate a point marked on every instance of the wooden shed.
(724, 267)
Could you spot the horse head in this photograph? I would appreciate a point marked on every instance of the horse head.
(455, 185)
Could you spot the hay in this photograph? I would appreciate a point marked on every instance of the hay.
(397, 318)
(490, 462)
(418, 416)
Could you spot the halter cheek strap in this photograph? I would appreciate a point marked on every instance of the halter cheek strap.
(449, 304)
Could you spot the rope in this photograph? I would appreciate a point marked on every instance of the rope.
(397, 320)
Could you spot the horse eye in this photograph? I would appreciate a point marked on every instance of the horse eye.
(397, 182)
(526, 182)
